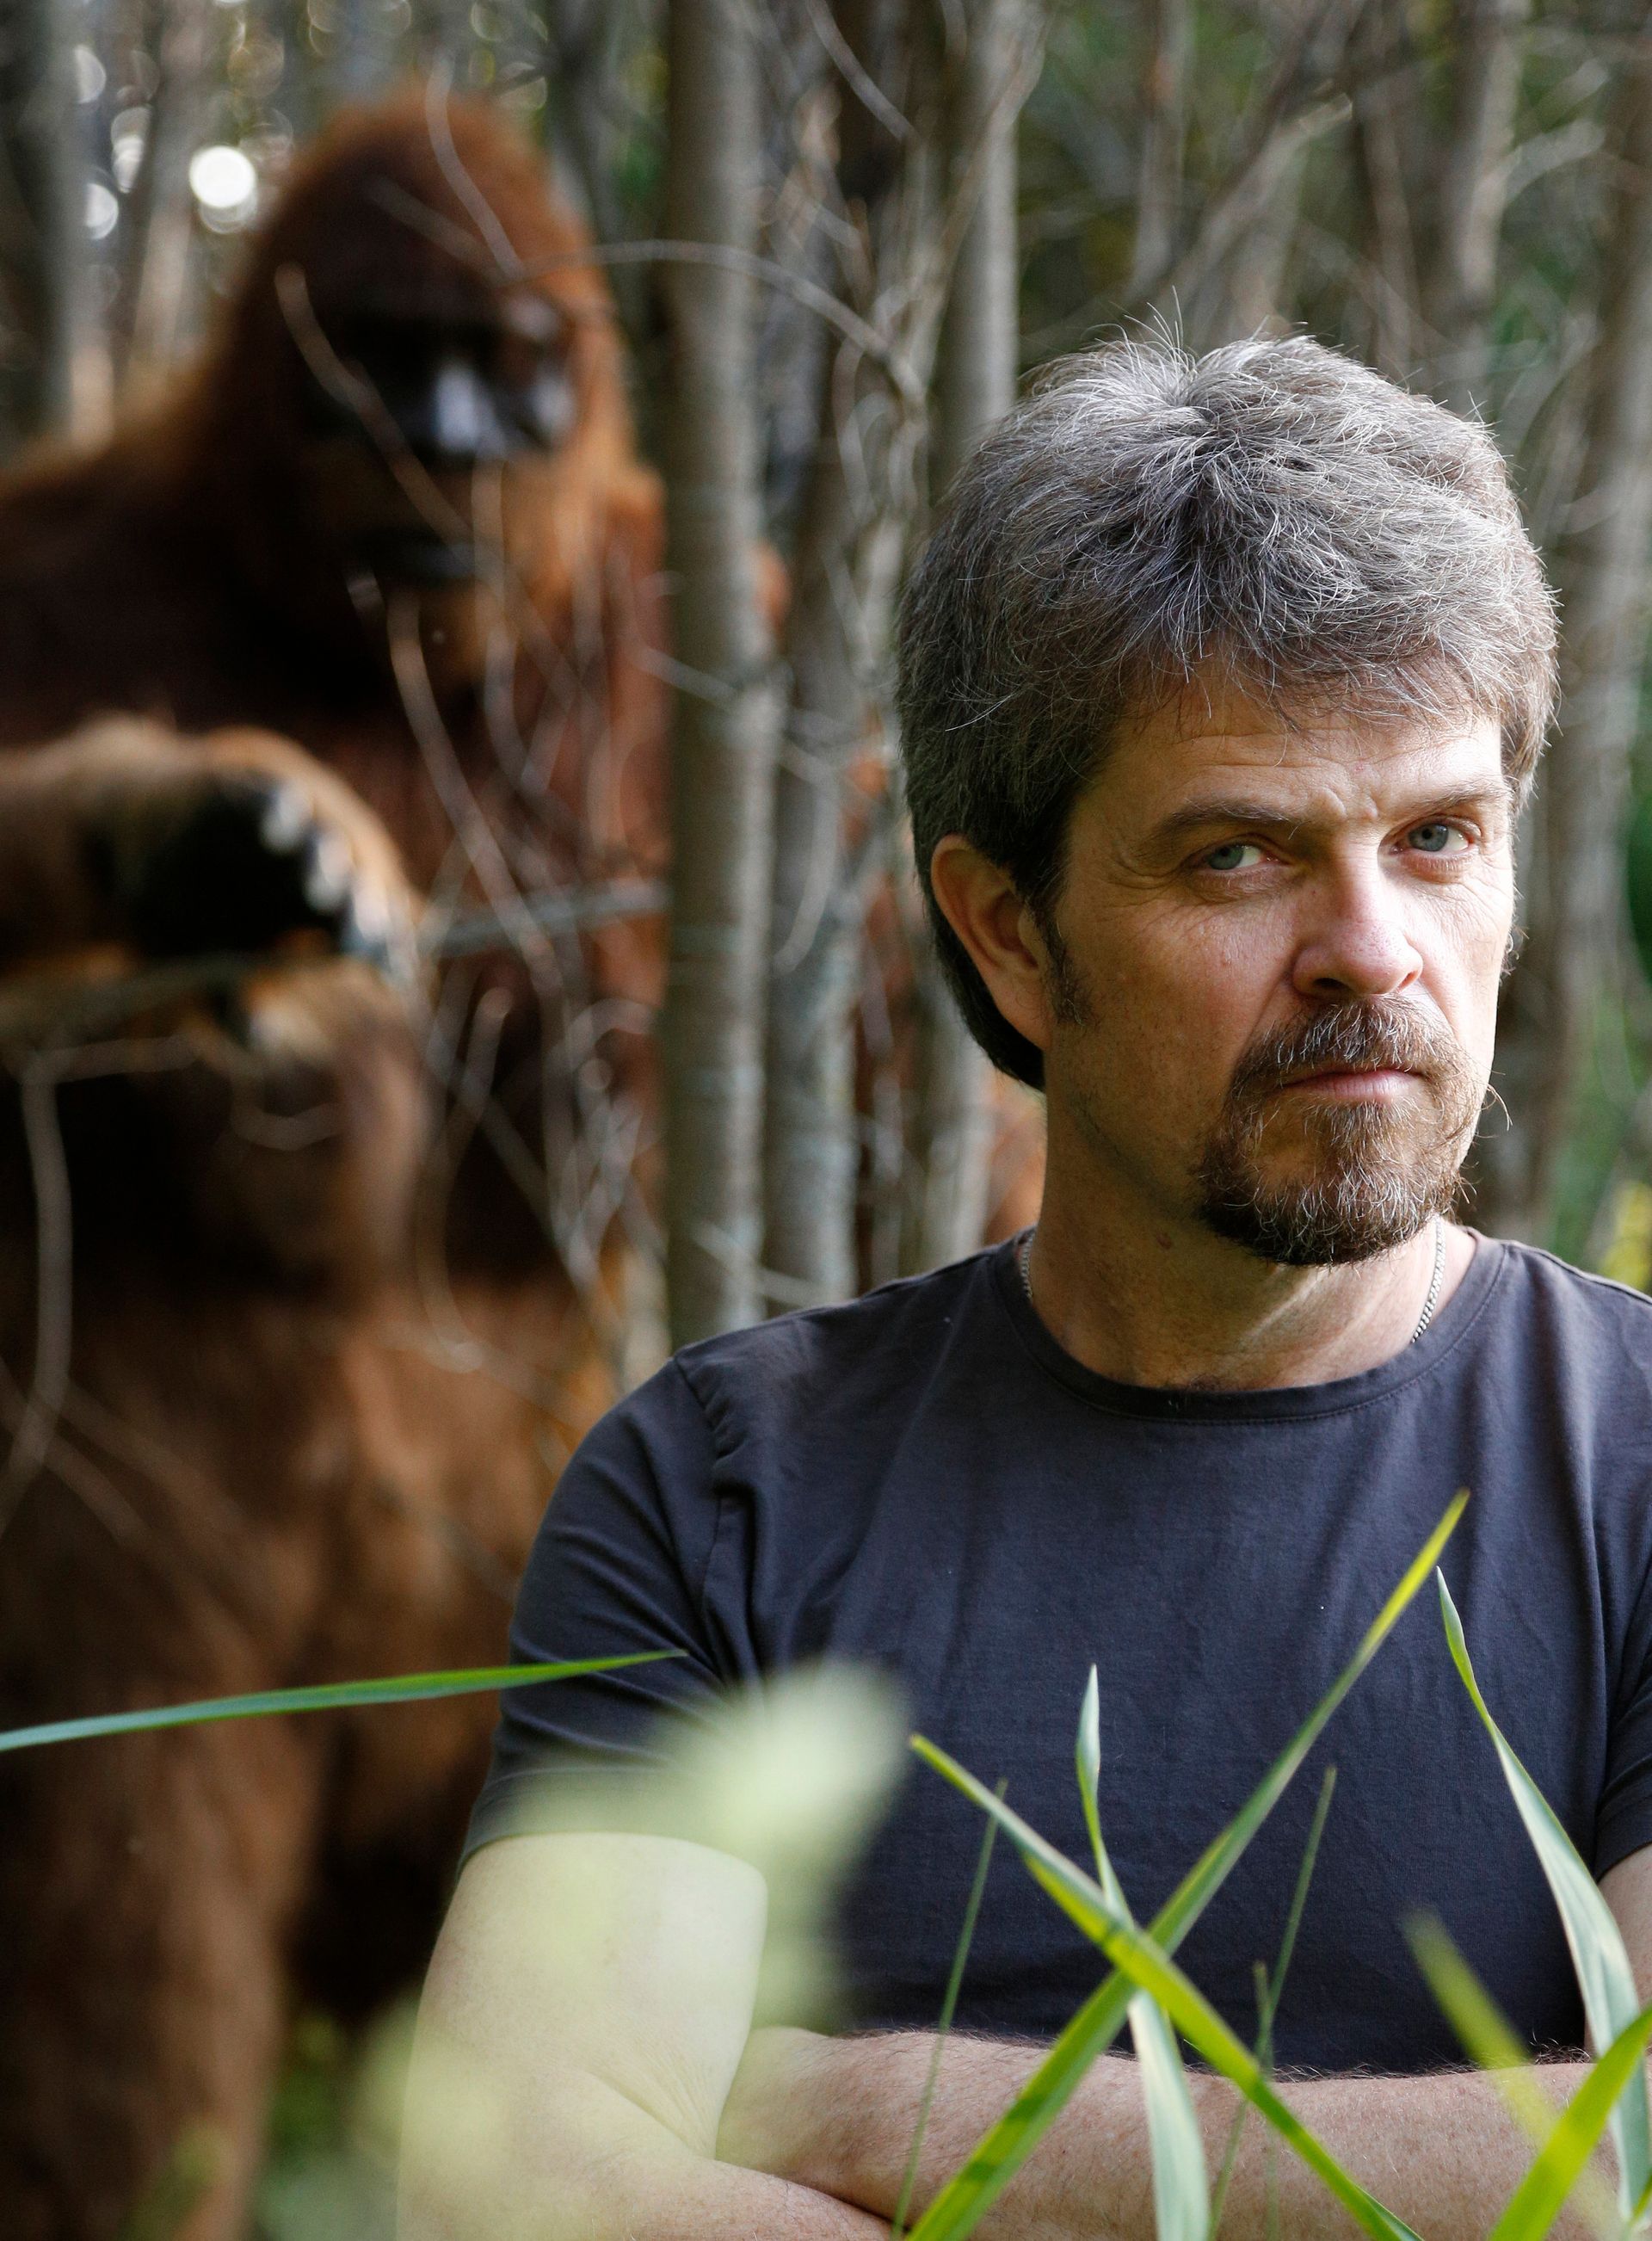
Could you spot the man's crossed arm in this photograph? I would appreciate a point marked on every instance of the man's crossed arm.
(836, 2115)
(584, 2017)
(583, 2073)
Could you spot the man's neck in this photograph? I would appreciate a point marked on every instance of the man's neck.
(1165, 1302)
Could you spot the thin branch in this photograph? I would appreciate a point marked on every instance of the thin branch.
(721, 256)
(39, 1079)
(46, 1007)
(439, 124)
(865, 89)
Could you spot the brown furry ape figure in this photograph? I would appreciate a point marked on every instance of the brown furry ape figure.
(305, 1290)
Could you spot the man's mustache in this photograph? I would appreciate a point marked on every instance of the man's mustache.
(1368, 1035)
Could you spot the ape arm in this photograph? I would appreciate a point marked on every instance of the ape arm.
(232, 904)
(584, 2015)
(128, 839)
(52, 798)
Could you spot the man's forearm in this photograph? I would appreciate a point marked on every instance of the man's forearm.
(691, 2199)
(838, 2116)
(582, 2161)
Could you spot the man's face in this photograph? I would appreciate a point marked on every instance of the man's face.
(1274, 981)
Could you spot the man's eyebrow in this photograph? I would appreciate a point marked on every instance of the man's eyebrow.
(1271, 816)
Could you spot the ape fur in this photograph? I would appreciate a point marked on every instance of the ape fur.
(290, 1351)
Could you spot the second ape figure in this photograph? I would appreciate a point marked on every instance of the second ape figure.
(292, 1344)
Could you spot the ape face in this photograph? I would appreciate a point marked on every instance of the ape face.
(417, 372)
(451, 390)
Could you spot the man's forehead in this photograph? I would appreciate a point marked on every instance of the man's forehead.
(1297, 758)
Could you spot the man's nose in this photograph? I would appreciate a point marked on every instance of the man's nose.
(1356, 942)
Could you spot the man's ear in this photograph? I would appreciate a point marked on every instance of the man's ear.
(979, 902)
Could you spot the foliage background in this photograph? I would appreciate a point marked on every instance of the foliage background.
(1459, 192)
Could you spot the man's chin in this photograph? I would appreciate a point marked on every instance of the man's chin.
(1327, 1220)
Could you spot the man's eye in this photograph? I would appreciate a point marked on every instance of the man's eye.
(1438, 839)
(1232, 856)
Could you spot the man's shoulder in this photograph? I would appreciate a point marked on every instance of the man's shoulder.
(842, 1355)
(910, 1312)
(827, 1388)
(1540, 1280)
(1575, 1325)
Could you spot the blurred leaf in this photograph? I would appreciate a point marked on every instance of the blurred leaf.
(201, 2157)
(1611, 2001)
(1002, 2151)
(396, 1688)
(1181, 2186)
(1536, 2201)
(1490, 2041)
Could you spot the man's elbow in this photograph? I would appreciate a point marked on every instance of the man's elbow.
(487, 2156)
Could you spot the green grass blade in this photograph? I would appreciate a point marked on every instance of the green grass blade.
(1272, 1987)
(1611, 2001)
(1088, 1757)
(1293, 1919)
(1148, 1968)
(1181, 2187)
(1208, 1874)
(1005, 2147)
(1180, 2193)
(948, 2009)
(1490, 2042)
(395, 1689)
(1642, 2206)
(1537, 2200)
(999, 2153)
(1484, 2033)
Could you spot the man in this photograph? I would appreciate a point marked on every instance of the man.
(1221, 685)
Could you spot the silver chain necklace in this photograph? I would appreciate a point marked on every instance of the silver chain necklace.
(1024, 1255)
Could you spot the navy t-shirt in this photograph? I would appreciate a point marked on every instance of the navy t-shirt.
(925, 1480)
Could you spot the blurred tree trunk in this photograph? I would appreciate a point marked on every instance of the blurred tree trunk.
(722, 788)
(161, 209)
(1386, 82)
(975, 374)
(884, 191)
(1242, 213)
(811, 1140)
(62, 384)
(1460, 277)
(1164, 133)
(1575, 881)
(1241, 285)
(921, 130)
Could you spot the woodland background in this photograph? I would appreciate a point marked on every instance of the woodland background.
(909, 203)
(867, 219)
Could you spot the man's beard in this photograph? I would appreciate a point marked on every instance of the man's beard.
(1374, 1172)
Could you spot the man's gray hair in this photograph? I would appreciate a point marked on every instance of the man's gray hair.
(1270, 514)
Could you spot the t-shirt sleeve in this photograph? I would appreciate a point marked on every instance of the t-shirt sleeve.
(1623, 1819)
(617, 1568)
